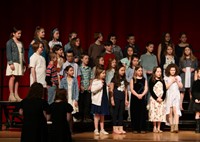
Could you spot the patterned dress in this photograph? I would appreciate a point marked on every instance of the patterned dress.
(156, 109)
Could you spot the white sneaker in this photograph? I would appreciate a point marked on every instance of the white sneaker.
(96, 132)
(104, 132)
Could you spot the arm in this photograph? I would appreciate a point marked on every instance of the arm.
(164, 91)
(9, 52)
(33, 72)
(158, 53)
(145, 88)
(151, 85)
(96, 86)
(132, 88)
(179, 82)
(48, 76)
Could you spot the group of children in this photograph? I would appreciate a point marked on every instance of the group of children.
(104, 83)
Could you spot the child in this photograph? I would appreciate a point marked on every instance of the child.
(196, 99)
(165, 40)
(132, 44)
(100, 106)
(187, 64)
(60, 113)
(76, 48)
(55, 34)
(85, 95)
(116, 50)
(34, 110)
(168, 57)
(99, 63)
(173, 84)
(96, 49)
(157, 90)
(110, 70)
(68, 46)
(37, 65)
(118, 94)
(139, 88)
(127, 60)
(15, 63)
(51, 78)
(108, 53)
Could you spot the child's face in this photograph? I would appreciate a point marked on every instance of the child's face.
(131, 40)
(108, 48)
(101, 61)
(135, 62)
(41, 33)
(40, 49)
(158, 72)
(183, 38)
(102, 75)
(172, 71)
(100, 37)
(77, 43)
(85, 60)
(150, 48)
(54, 59)
(113, 39)
(70, 72)
(122, 71)
(59, 52)
(139, 72)
(113, 64)
(17, 35)
(187, 51)
(56, 35)
(70, 57)
(167, 37)
(198, 74)
(130, 51)
(169, 50)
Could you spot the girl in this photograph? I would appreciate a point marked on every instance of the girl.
(188, 64)
(55, 34)
(196, 99)
(165, 40)
(15, 63)
(179, 48)
(168, 57)
(39, 36)
(99, 63)
(100, 106)
(70, 83)
(76, 47)
(34, 110)
(157, 90)
(60, 113)
(127, 60)
(118, 90)
(173, 84)
(111, 70)
(139, 88)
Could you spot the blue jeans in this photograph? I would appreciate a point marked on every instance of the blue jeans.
(51, 94)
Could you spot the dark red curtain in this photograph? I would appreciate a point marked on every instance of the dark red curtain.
(146, 19)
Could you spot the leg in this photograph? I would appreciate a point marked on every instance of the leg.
(155, 130)
(96, 122)
(115, 116)
(197, 130)
(159, 124)
(87, 106)
(176, 119)
(120, 116)
(181, 100)
(16, 89)
(11, 89)
(171, 120)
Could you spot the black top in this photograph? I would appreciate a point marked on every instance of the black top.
(196, 90)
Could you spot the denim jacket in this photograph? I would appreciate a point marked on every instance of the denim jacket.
(75, 91)
(12, 52)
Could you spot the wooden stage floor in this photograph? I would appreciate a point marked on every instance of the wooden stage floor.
(182, 136)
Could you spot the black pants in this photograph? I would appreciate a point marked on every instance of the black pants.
(84, 104)
(118, 109)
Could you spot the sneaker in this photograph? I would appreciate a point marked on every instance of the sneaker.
(96, 132)
(104, 132)
(49, 122)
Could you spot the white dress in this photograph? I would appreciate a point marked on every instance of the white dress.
(173, 96)
(18, 66)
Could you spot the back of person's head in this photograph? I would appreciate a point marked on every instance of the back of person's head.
(61, 94)
(36, 45)
(52, 56)
(130, 35)
(36, 91)
(56, 47)
(97, 35)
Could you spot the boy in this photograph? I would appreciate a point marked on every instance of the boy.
(131, 43)
(85, 95)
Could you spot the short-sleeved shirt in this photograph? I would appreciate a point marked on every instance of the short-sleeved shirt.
(38, 62)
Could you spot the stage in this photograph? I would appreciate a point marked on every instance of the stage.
(182, 136)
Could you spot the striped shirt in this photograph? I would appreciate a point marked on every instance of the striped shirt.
(51, 75)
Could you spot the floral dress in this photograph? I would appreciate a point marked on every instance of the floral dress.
(156, 109)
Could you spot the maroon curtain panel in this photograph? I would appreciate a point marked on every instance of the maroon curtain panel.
(146, 19)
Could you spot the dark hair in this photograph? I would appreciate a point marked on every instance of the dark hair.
(70, 35)
(37, 29)
(97, 35)
(111, 35)
(153, 76)
(98, 71)
(14, 30)
(149, 43)
(167, 70)
(118, 78)
(97, 61)
(70, 51)
(108, 43)
(181, 33)
(67, 68)
(36, 91)
(169, 45)
(130, 35)
(52, 32)
(134, 76)
(163, 42)
(56, 47)
(83, 55)
(133, 57)
(61, 94)
(36, 45)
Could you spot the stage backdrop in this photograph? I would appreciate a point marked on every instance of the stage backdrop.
(146, 19)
